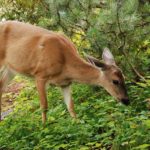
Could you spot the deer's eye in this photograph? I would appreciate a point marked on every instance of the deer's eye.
(116, 82)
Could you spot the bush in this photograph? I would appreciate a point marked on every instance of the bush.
(102, 122)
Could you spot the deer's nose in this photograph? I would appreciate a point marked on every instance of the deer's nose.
(125, 101)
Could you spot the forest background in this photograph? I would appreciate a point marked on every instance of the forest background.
(121, 25)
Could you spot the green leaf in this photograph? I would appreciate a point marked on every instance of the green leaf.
(147, 123)
(84, 148)
(142, 147)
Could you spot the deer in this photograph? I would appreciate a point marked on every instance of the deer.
(51, 58)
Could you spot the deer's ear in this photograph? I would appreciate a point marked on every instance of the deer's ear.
(108, 57)
(95, 62)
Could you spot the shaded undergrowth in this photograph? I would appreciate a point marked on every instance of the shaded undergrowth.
(102, 122)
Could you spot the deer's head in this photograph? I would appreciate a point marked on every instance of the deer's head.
(111, 76)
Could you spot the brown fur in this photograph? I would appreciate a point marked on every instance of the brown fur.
(48, 57)
(40, 53)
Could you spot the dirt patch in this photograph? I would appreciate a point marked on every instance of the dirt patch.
(10, 94)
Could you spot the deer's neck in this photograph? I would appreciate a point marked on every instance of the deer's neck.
(84, 72)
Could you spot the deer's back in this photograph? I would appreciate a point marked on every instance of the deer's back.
(32, 50)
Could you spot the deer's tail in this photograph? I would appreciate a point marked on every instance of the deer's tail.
(6, 75)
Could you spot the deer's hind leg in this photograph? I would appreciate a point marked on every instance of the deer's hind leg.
(5, 76)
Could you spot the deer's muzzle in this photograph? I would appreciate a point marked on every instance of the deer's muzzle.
(125, 101)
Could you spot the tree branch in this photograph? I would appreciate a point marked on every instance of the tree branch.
(122, 47)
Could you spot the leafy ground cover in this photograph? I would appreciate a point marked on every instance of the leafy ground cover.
(102, 122)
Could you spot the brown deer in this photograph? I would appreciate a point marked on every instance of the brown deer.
(52, 58)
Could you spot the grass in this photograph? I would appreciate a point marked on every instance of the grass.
(102, 122)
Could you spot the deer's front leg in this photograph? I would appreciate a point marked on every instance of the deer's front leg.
(68, 100)
(41, 85)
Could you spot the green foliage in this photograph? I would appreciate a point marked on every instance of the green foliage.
(123, 26)
(102, 122)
